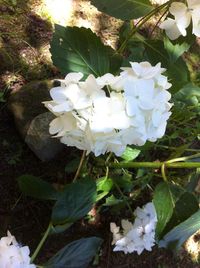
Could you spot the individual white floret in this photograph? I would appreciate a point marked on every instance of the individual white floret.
(73, 94)
(13, 255)
(183, 14)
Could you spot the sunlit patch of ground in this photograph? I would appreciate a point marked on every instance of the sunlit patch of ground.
(158, 2)
(58, 11)
(80, 13)
(192, 246)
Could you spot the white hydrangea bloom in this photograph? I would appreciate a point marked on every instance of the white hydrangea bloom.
(137, 236)
(135, 109)
(12, 255)
(183, 14)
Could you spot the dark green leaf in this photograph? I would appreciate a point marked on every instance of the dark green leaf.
(76, 49)
(125, 181)
(177, 236)
(193, 181)
(186, 205)
(37, 188)
(178, 75)
(77, 254)
(190, 95)
(176, 68)
(124, 9)
(179, 151)
(75, 202)
(2, 95)
(165, 197)
(72, 166)
(130, 154)
(60, 228)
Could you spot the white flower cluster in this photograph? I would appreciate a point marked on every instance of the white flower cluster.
(183, 14)
(134, 110)
(137, 236)
(12, 255)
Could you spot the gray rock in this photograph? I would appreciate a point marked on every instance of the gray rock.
(26, 105)
(39, 139)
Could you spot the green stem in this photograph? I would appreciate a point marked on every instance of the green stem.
(120, 191)
(80, 166)
(175, 148)
(124, 198)
(163, 172)
(140, 24)
(41, 243)
(184, 158)
(155, 165)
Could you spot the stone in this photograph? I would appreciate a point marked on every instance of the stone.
(26, 103)
(26, 106)
(39, 140)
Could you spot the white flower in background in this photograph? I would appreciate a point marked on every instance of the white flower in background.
(134, 110)
(194, 7)
(13, 255)
(183, 14)
(137, 236)
(172, 29)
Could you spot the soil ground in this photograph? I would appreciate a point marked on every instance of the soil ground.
(24, 57)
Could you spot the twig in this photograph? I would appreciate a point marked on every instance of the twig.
(80, 166)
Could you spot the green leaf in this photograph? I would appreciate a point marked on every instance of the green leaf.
(2, 95)
(193, 181)
(130, 154)
(104, 185)
(57, 229)
(74, 202)
(124, 9)
(72, 165)
(125, 181)
(180, 150)
(176, 68)
(190, 95)
(178, 75)
(77, 254)
(165, 197)
(175, 50)
(112, 201)
(37, 188)
(177, 236)
(186, 205)
(76, 49)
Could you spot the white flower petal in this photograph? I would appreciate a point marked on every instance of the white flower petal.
(196, 22)
(171, 28)
(72, 78)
